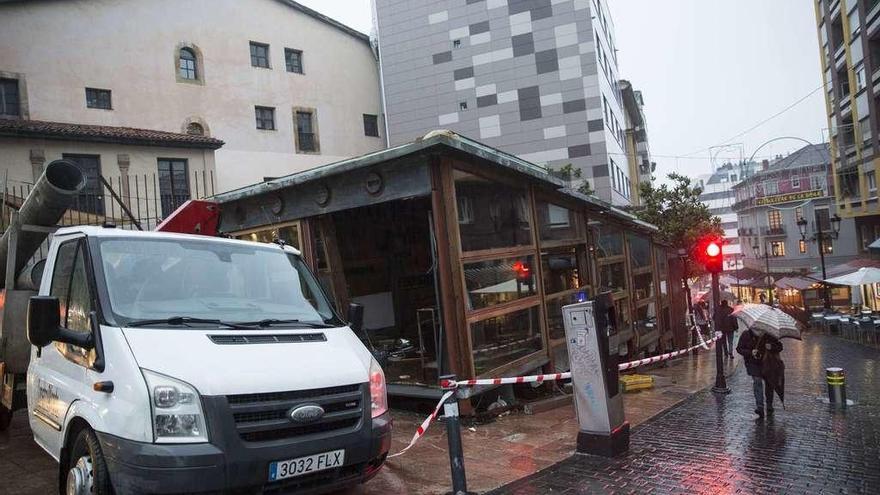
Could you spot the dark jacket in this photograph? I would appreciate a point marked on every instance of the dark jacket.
(748, 342)
(723, 321)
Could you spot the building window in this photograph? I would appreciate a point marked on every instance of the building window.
(795, 182)
(817, 182)
(187, 64)
(465, 209)
(828, 246)
(371, 125)
(798, 214)
(771, 187)
(462, 105)
(871, 179)
(259, 55)
(294, 60)
(265, 118)
(777, 249)
(10, 103)
(802, 246)
(195, 129)
(306, 137)
(98, 98)
(173, 184)
(91, 198)
(774, 219)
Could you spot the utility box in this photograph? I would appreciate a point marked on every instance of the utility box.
(598, 401)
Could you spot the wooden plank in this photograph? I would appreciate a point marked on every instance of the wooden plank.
(444, 215)
(497, 253)
(400, 179)
(334, 261)
(307, 241)
(503, 309)
(539, 276)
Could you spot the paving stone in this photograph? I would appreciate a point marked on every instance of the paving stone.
(713, 444)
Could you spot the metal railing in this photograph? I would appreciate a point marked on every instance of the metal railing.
(131, 202)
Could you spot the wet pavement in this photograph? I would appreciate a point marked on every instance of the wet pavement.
(497, 453)
(713, 444)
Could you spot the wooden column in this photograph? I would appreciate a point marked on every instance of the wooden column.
(445, 217)
(334, 260)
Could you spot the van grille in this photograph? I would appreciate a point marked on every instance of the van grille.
(267, 339)
(265, 417)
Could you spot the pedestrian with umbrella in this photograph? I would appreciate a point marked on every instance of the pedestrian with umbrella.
(760, 347)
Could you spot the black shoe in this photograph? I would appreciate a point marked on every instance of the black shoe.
(760, 413)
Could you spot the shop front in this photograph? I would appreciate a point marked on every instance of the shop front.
(463, 257)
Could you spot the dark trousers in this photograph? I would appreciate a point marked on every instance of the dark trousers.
(727, 343)
(763, 391)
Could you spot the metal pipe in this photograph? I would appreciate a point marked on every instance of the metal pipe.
(55, 191)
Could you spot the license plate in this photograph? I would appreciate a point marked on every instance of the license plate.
(280, 470)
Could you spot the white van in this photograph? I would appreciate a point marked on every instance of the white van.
(169, 363)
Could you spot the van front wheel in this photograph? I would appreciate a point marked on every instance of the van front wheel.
(86, 470)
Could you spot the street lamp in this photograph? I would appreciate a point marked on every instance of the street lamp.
(820, 236)
(757, 249)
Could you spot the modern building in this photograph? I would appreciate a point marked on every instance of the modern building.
(770, 203)
(849, 41)
(718, 195)
(638, 153)
(283, 86)
(534, 78)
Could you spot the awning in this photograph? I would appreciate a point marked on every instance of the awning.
(875, 246)
(845, 268)
(797, 283)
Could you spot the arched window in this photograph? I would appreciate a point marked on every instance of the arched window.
(195, 129)
(187, 59)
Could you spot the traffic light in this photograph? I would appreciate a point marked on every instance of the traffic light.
(710, 254)
(523, 271)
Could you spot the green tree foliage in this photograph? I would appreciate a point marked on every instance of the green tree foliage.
(570, 174)
(676, 210)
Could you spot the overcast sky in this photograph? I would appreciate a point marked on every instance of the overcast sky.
(709, 70)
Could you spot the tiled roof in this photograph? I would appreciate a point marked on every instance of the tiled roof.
(103, 134)
(814, 154)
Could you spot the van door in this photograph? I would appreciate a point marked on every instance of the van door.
(57, 374)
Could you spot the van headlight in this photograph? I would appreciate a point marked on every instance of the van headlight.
(378, 392)
(177, 410)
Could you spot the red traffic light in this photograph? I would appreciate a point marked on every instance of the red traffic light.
(713, 249)
(709, 253)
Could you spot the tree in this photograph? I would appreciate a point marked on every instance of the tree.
(677, 212)
(570, 174)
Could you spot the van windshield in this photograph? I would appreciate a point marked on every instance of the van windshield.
(156, 279)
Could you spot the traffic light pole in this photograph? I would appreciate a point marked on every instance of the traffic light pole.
(720, 380)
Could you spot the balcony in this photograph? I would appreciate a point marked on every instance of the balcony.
(774, 231)
(745, 231)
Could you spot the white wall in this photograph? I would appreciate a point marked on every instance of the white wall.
(129, 47)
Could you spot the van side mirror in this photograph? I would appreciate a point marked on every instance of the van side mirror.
(356, 317)
(44, 325)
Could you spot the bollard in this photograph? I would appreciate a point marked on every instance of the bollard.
(836, 379)
(453, 434)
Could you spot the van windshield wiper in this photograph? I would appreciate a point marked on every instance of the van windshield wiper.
(268, 322)
(185, 321)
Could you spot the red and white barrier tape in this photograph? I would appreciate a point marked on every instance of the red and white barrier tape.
(452, 385)
(425, 424)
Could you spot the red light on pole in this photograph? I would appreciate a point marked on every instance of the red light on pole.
(713, 249)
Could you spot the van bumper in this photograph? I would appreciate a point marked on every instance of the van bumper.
(137, 467)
